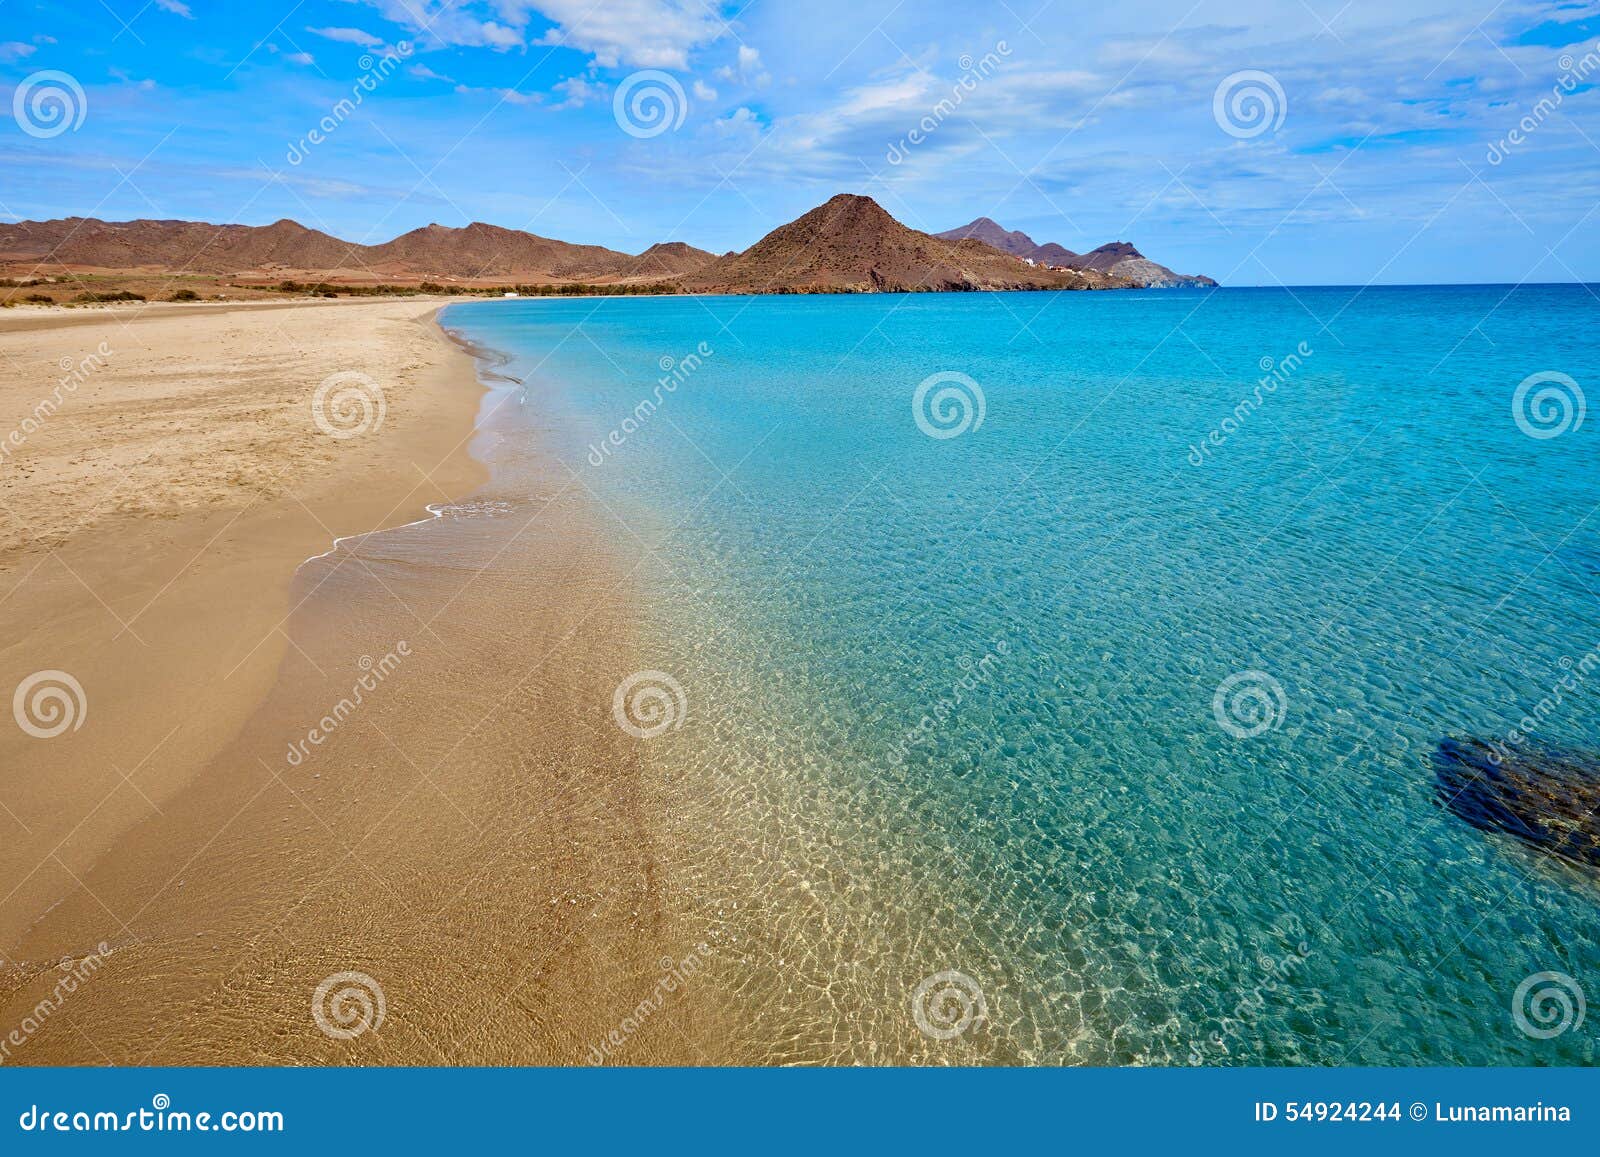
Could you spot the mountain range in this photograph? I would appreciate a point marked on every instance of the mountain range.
(1117, 259)
(477, 251)
(850, 244)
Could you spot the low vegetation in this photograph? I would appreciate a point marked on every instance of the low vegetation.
(580, 289)
(568, 289)
(115, 295)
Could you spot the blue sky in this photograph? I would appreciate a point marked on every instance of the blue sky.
(1383, 152)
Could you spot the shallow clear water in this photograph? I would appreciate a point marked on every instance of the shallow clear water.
(950, 700)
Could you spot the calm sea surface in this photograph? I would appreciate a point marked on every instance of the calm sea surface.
(1121, 701)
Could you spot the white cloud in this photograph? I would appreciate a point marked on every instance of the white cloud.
(493, 34)
(616, 33)
(579, 91)
(423, 72)
(509, 95)
(451, 22)
(703, 91)
(738, 120)
(176, 7)
(632, 33)
(15, 50)
(347, 36)
(122, 74)
(747, 70)
(300, 58)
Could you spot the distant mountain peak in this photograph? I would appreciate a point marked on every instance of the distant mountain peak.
(1115, 258)
(843, 212)
(992, 233)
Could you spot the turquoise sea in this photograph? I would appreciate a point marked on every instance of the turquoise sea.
(1122, 701)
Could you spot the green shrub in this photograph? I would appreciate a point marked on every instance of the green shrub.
(119, 295)
(184, 295)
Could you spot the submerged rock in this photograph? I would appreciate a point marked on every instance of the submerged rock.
(1547, 797)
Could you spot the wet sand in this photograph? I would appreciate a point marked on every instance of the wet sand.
(426, 787)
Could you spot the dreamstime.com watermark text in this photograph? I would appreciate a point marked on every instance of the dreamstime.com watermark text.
(675, 976)
(374, 73)
(74, 374)
(674, 372)
(74, 973)
(160, 1117)
(373, 673)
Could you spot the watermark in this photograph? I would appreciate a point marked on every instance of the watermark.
(1274, 374)
(1275, 972)
(947, 1004)
(1248, 103)
(48, 103)
(1547, 1004)
(73, 374)
(974, 675)
(47, 703)
(373, 673)
(160, 1117)
(348, 404)
(649, 103)
(675, 976)
(374, 73)
(948, 404)
(1249, 703)
(972, 74)
(1548, 404)
(1573, 74)
(649, 703)
(1574, 674)
(674, 372)
(348, 1004)
(73, 974)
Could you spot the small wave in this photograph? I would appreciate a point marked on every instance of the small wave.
(482, 508)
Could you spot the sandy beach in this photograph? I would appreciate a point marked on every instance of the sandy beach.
(183, 842)
(165, 478)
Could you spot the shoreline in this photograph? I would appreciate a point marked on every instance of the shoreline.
(156, 521)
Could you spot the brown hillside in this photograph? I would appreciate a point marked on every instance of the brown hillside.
(668, 259)
(481, 250)
(476, 251)
(192, 246)
(851, 245)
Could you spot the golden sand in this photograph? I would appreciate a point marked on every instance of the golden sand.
(402, 764)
